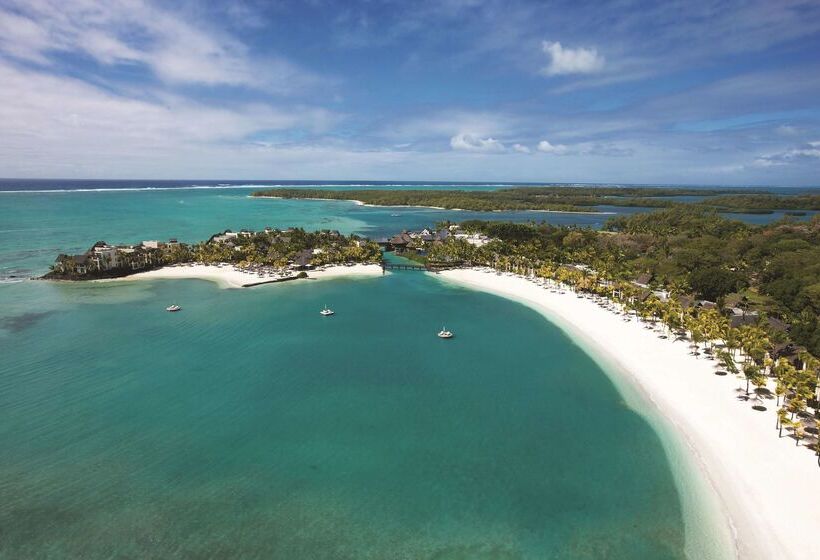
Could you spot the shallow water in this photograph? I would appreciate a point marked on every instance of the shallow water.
(250, 426)
(36, 226)
(248, 423)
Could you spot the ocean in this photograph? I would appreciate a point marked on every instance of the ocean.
(248, 426)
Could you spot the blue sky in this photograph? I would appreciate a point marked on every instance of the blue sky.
(709, 92)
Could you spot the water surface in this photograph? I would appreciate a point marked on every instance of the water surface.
(249, 426)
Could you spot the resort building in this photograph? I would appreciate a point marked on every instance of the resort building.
(420, 241)
(104, 260)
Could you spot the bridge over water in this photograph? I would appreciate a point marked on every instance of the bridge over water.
(431, 266)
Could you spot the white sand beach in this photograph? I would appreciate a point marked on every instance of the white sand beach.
(768, 488)
(227, 276)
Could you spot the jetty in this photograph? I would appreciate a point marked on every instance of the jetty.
(429, 266)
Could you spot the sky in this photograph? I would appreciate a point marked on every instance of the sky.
(716, 92)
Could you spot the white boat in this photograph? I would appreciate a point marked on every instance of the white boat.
(326, 312)
(444, 333)
(173, 308)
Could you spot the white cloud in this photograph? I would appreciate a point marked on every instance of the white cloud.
(174, 48)
(571, 61)
(473, 143)
(49, 122)
(555, 149)
(520, 148)
(807, 152)
(453, 121)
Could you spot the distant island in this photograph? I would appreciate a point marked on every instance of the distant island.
(562, 199)
(271, 254)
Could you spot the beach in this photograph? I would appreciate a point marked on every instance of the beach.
(227, 276)
(767, 487)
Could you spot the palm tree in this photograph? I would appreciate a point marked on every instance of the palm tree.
(782, 420)
(731, 339)
(727, 362)
(799, 430)
(752, 373)
(784, 374)
(672, 313)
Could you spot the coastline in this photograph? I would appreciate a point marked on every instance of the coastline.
(361, 203)
(227, 276)
(761, 489)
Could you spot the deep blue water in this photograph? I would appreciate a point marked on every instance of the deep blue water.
(108, 184)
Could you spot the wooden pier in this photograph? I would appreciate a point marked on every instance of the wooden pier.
(434, 266)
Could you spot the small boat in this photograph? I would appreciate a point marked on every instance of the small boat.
(444, 333)
(326, 312)
(173, 308)
(394, 215)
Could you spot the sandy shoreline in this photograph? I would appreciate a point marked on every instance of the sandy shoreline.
(361, 203)
(227, 276)
(768, 490)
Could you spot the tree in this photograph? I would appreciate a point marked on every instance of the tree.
(753, 374)
(782, 420)
(713, 282)
(799, 430)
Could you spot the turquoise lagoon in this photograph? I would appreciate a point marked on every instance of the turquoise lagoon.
(248, 426)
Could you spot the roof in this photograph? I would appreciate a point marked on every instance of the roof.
(686, 301)
(303, 257)
(402, 238)
(644, 279)
(776, 324)
(786, 350)
(740, 320)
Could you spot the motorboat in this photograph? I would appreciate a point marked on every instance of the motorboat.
(326, 312)
(173, 308)
(444, 333)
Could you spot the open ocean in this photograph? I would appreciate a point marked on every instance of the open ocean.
(248, 426)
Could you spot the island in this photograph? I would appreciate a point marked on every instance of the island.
(232, 259)
(563, 199)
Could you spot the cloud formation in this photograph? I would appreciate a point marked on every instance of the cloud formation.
(472, 143)
(807, 152)
(554, 149)
(571, 61)
(424, 90)
(138, 33)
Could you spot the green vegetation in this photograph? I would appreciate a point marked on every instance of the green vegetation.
(280, 248)
(565, 199)
(770, 273)
(751, 202)
(293, 247)
(771, 270)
